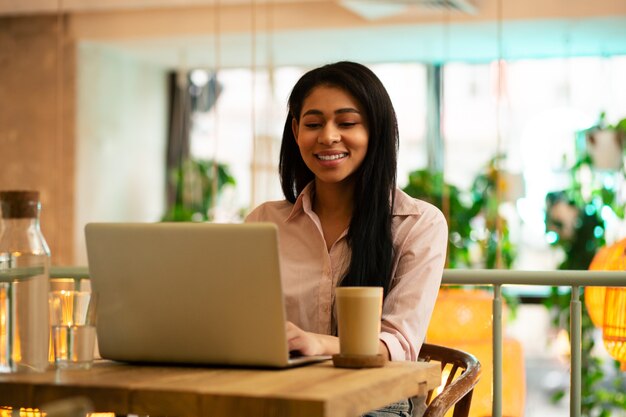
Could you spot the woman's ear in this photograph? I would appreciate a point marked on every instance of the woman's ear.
(294, 128)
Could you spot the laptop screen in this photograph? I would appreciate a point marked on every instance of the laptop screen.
(196, 293)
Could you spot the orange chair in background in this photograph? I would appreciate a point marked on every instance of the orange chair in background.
(462, 319)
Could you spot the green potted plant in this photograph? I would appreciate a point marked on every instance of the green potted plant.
(463, 209)
(196, 185)
(575, 222)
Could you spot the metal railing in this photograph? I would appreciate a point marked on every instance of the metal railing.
(574, 279)
(497, 278)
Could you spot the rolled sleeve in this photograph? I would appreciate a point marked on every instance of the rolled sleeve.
(409, 304)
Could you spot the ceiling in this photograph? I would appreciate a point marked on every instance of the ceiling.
(468, 42)
(171, 33)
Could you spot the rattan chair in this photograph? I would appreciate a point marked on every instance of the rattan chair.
(457, 391)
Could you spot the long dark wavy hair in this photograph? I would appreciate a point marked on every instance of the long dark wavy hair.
(369, 233)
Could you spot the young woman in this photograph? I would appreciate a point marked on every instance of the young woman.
(343, 221)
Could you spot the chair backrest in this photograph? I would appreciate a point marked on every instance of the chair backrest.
(464, 373)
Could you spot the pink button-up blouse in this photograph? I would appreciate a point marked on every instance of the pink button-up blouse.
(310, 272)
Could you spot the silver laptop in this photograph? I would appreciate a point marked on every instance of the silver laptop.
(192, 293)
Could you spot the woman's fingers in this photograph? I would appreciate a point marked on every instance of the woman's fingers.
(298, 339)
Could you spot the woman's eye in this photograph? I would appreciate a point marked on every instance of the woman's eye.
(312, 125)
(347, 124)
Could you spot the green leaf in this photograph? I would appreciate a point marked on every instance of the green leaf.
(557, 396)
(195, 181)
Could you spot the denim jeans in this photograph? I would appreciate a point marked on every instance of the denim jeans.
(411, 407)
(401, 408)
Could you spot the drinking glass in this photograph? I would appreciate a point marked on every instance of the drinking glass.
(73, 328)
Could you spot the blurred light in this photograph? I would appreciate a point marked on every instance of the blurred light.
(590, 209)
(571, 118)
(609, 182)
(35, 412)
(23, 412)
(455, 237)
(598, 231)
(562, 346)
(199, 77)
(552, 237)
(531, 211)
(606, 213)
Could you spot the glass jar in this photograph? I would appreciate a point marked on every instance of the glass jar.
(24, 268)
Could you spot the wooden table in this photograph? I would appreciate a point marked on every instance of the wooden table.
(314, 390)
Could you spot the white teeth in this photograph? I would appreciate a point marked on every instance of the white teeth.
(331, 157)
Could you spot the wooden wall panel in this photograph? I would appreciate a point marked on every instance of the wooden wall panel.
(37, 78)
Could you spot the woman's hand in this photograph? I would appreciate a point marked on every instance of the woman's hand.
(309, 343)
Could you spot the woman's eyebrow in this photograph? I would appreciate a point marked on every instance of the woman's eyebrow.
(347, 110)
(313, 111)
(338, 111)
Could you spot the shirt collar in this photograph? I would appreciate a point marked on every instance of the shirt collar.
(404, 204)
(303, 202)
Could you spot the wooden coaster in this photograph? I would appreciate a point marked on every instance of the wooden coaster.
(359, 361)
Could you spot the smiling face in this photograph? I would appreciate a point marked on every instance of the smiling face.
(332, 134)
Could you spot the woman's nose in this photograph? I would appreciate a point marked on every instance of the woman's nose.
(329, 135)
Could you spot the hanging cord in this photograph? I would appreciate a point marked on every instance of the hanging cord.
(253, 69)
(445, 192)
(497, 163)
(268, 164)
(184, 128)
(60, 126)
(214, 167)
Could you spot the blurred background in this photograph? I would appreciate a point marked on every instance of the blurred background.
(512, 118)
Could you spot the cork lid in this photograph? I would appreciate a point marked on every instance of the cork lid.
(19, 204)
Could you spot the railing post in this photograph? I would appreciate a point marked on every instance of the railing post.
(496, 410)
(576, 352)
(573, 279)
